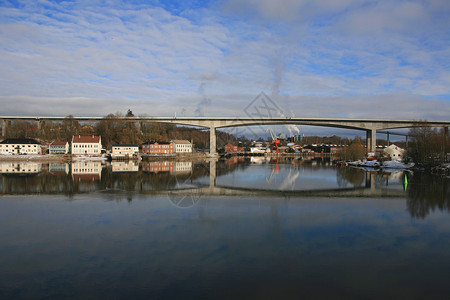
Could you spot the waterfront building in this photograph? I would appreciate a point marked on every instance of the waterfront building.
(154, 147)
(124, 151)
(233, 148)
(58, 147)
(20, 146)
(394, 152)
(90, 145)
(182, 146)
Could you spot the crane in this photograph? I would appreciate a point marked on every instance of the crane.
(275, 139)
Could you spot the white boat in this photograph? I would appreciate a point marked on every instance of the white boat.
(259, 150)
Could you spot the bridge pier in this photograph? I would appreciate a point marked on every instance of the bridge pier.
(371, 140)
(212, 141)
(4, 128)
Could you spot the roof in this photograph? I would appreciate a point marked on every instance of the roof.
(20, 141)
(57, 143)
(124, 145)
(86, 139)
(181, 142)
(156, 142)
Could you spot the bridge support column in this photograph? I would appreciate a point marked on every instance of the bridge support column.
(371, 140)
(212, 141)
(40, 123)
(3, 128)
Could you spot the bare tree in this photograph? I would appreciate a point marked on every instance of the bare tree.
(428, 146)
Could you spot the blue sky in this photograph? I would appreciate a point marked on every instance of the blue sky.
(330, 58)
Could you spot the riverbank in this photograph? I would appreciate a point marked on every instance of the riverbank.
(69, 158)
(35, 157)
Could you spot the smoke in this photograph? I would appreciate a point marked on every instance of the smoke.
(205, 101)
(278, 72)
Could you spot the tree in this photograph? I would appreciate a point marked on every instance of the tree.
(70, 128)
(428, 146)
(354, 151)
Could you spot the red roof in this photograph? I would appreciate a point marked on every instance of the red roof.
(86, 139)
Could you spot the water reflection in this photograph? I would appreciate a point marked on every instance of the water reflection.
(186, 182)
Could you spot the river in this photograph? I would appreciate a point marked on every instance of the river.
(250, 228)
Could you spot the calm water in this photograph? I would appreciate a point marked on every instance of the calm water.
(240, 228)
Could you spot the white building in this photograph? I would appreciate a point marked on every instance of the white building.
(124, 151)
(182, 146)
(20, 146)
(88, 145)
(58, 148)
(394, 152)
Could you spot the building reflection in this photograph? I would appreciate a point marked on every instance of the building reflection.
(172, 167)
(86, 170)
(423, 193)
(58, 169)
(20, 168)
(124, 166)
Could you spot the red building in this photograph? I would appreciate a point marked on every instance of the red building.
(158, 148)
(232, 148)
(158, 166)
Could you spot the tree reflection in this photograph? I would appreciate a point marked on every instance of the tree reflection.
(353, 176)
(427, 193)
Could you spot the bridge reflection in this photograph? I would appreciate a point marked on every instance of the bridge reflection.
(193, 193)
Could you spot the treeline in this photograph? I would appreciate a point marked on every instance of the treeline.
(114, 130)
(428, 147)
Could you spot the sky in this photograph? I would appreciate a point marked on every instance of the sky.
(312, 58)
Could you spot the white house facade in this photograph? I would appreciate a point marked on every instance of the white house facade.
(124, 151)
(394, 152)
(20, 146)
(86, 145)
(182, 146)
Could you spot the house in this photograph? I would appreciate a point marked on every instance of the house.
(20, 146)
(58, 148)
(394, 152)
(124, 151)
(154, 147)
(233, 148)
(182, 146)
(90, 145)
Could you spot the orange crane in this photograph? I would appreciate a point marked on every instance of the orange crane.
(275, 139)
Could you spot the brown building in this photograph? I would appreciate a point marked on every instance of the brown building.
(158, 148)
(233, 148)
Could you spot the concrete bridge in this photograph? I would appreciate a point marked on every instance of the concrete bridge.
(370, 126)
